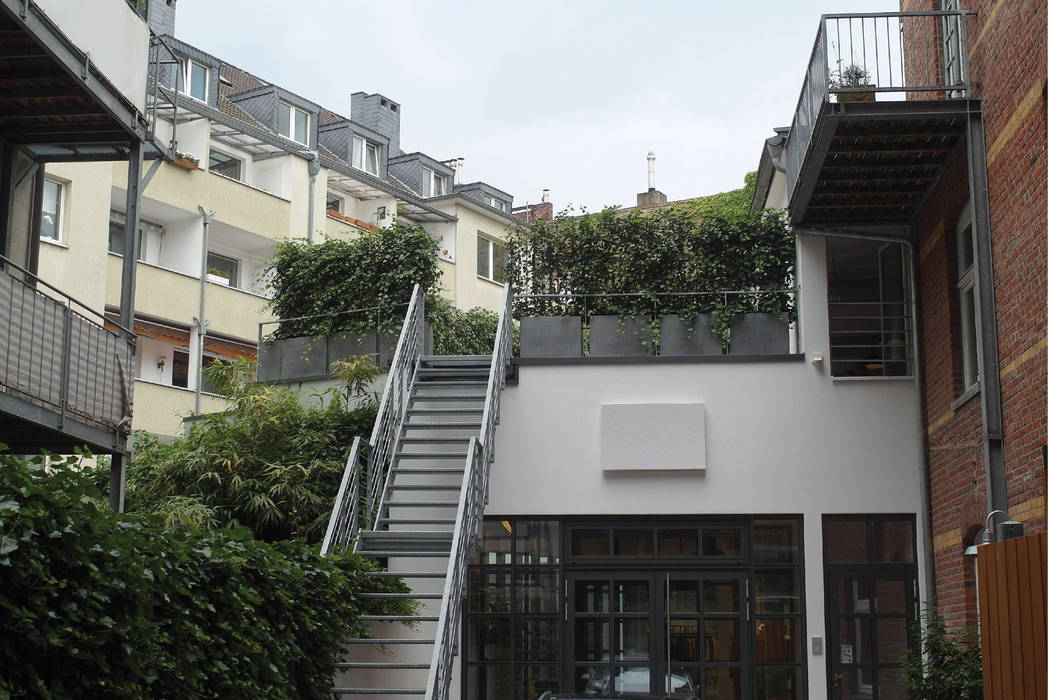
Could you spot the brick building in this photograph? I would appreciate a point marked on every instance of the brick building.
(1007, 65)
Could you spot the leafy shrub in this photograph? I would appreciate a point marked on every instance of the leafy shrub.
(733, 204)
(949, 664)
(268, 463)
(460, 332)
(675, 257)
(98, 605)
(377, 269)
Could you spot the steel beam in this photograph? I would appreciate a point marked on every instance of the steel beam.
(7, 167)
(986, 318)
(131, 223)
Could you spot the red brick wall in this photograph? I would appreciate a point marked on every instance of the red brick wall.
(1008, 61)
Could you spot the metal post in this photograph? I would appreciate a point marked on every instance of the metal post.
(36, 223)
(201, 321)
(131, 243)
(117, 480)
(986, 318)
(7, 166)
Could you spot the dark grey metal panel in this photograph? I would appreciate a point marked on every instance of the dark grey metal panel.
(262, 106)
(619, 336)
(303, 357)
(337, 140)
(551, 336)
(759, 334)
(685, 337)
(409, 172)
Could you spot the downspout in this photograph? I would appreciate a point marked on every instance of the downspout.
(314, 170)
(201, 324)
(926, 541)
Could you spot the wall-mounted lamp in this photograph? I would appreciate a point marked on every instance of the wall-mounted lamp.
(816, 359)
(161, 361)
(381, 213)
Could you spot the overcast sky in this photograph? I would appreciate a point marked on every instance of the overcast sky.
(567, 95)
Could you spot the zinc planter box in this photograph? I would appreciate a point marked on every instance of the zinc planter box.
(551, 336)
(620, 336)
(688, 337)
(297, 359)
(759, 334)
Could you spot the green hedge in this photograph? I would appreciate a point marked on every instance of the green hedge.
(96, 605)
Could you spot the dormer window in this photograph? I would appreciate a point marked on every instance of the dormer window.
(496, 203)
(365, 155)
(194, 80)
(433, 183)
(293, 123)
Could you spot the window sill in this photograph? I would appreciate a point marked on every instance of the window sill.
(905, 377)
(491, 281)
(965, 397)
(56, 244)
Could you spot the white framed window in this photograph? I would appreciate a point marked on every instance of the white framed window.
(194, 79)
(51, 216)
(966, 297)
(433, 183)
(491, 259)
(365, 155)
(146, 230)
(224, 266)
(293, 123)
(335, 203)
(493, 202)
(219, 162)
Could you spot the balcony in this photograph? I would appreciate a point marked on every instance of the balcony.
(884, 105)
(64, 376)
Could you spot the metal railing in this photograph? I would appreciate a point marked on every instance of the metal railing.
(882, 55)
(871, 338)
(163, 64)
(56, 357)
(395, 399)
(470, 515)
(345, 519)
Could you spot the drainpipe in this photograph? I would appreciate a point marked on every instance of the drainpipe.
(314, 170)
(201, 324)
(926, 498)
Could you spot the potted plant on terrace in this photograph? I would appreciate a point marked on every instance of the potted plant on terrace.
(851, 77)
(215, 276)
(186, 161)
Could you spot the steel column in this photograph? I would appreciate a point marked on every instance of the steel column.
(131, 243)
(36, 222)
(986, 318)
(117, 480)
(7, 166)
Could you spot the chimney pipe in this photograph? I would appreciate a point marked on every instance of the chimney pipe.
(545, 195)
(651, 171)
(458, 170)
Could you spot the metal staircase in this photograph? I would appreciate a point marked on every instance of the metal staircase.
(416, 501)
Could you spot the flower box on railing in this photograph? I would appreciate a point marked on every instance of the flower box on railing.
(310, 358)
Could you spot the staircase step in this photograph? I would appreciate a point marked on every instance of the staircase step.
(427, 487)
(454, 359)
(410, 521)
(400, 596)
(441, 426)
(424, 504)
(376, 691)
(425, 373)
(379, 665)
(430, 455)
(435, 383)
(441, 398)
(397, 554)
(409, 574)
(436, 440)
(389, 640)
(442, 411)
(399, 618)
(434, 470)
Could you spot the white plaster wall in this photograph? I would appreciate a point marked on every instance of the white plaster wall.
(194, 138)
(114, 36)
(273, 176)
(183, 240)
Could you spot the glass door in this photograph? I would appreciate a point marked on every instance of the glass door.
(610, 633)
(871, 622)
(706, 635)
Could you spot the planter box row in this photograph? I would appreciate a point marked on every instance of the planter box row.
(296, 359)
(618, 336)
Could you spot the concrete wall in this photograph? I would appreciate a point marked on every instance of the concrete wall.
(124, 62)
(469, 289)
(162, 408)
(75, 264)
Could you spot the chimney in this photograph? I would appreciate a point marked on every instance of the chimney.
(459, 164)
(545, 195)
(380, 114)
(530, 213)
(160, 15)
(652, 197)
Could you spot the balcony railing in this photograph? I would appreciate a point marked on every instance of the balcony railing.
(56, 357)
(887, 56)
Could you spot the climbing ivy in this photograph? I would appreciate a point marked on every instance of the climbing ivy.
(672, 260)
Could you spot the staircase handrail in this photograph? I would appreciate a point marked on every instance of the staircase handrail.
(399, 382)
(345, 517)
(463, 543)
(501, 354)
(472, 499)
